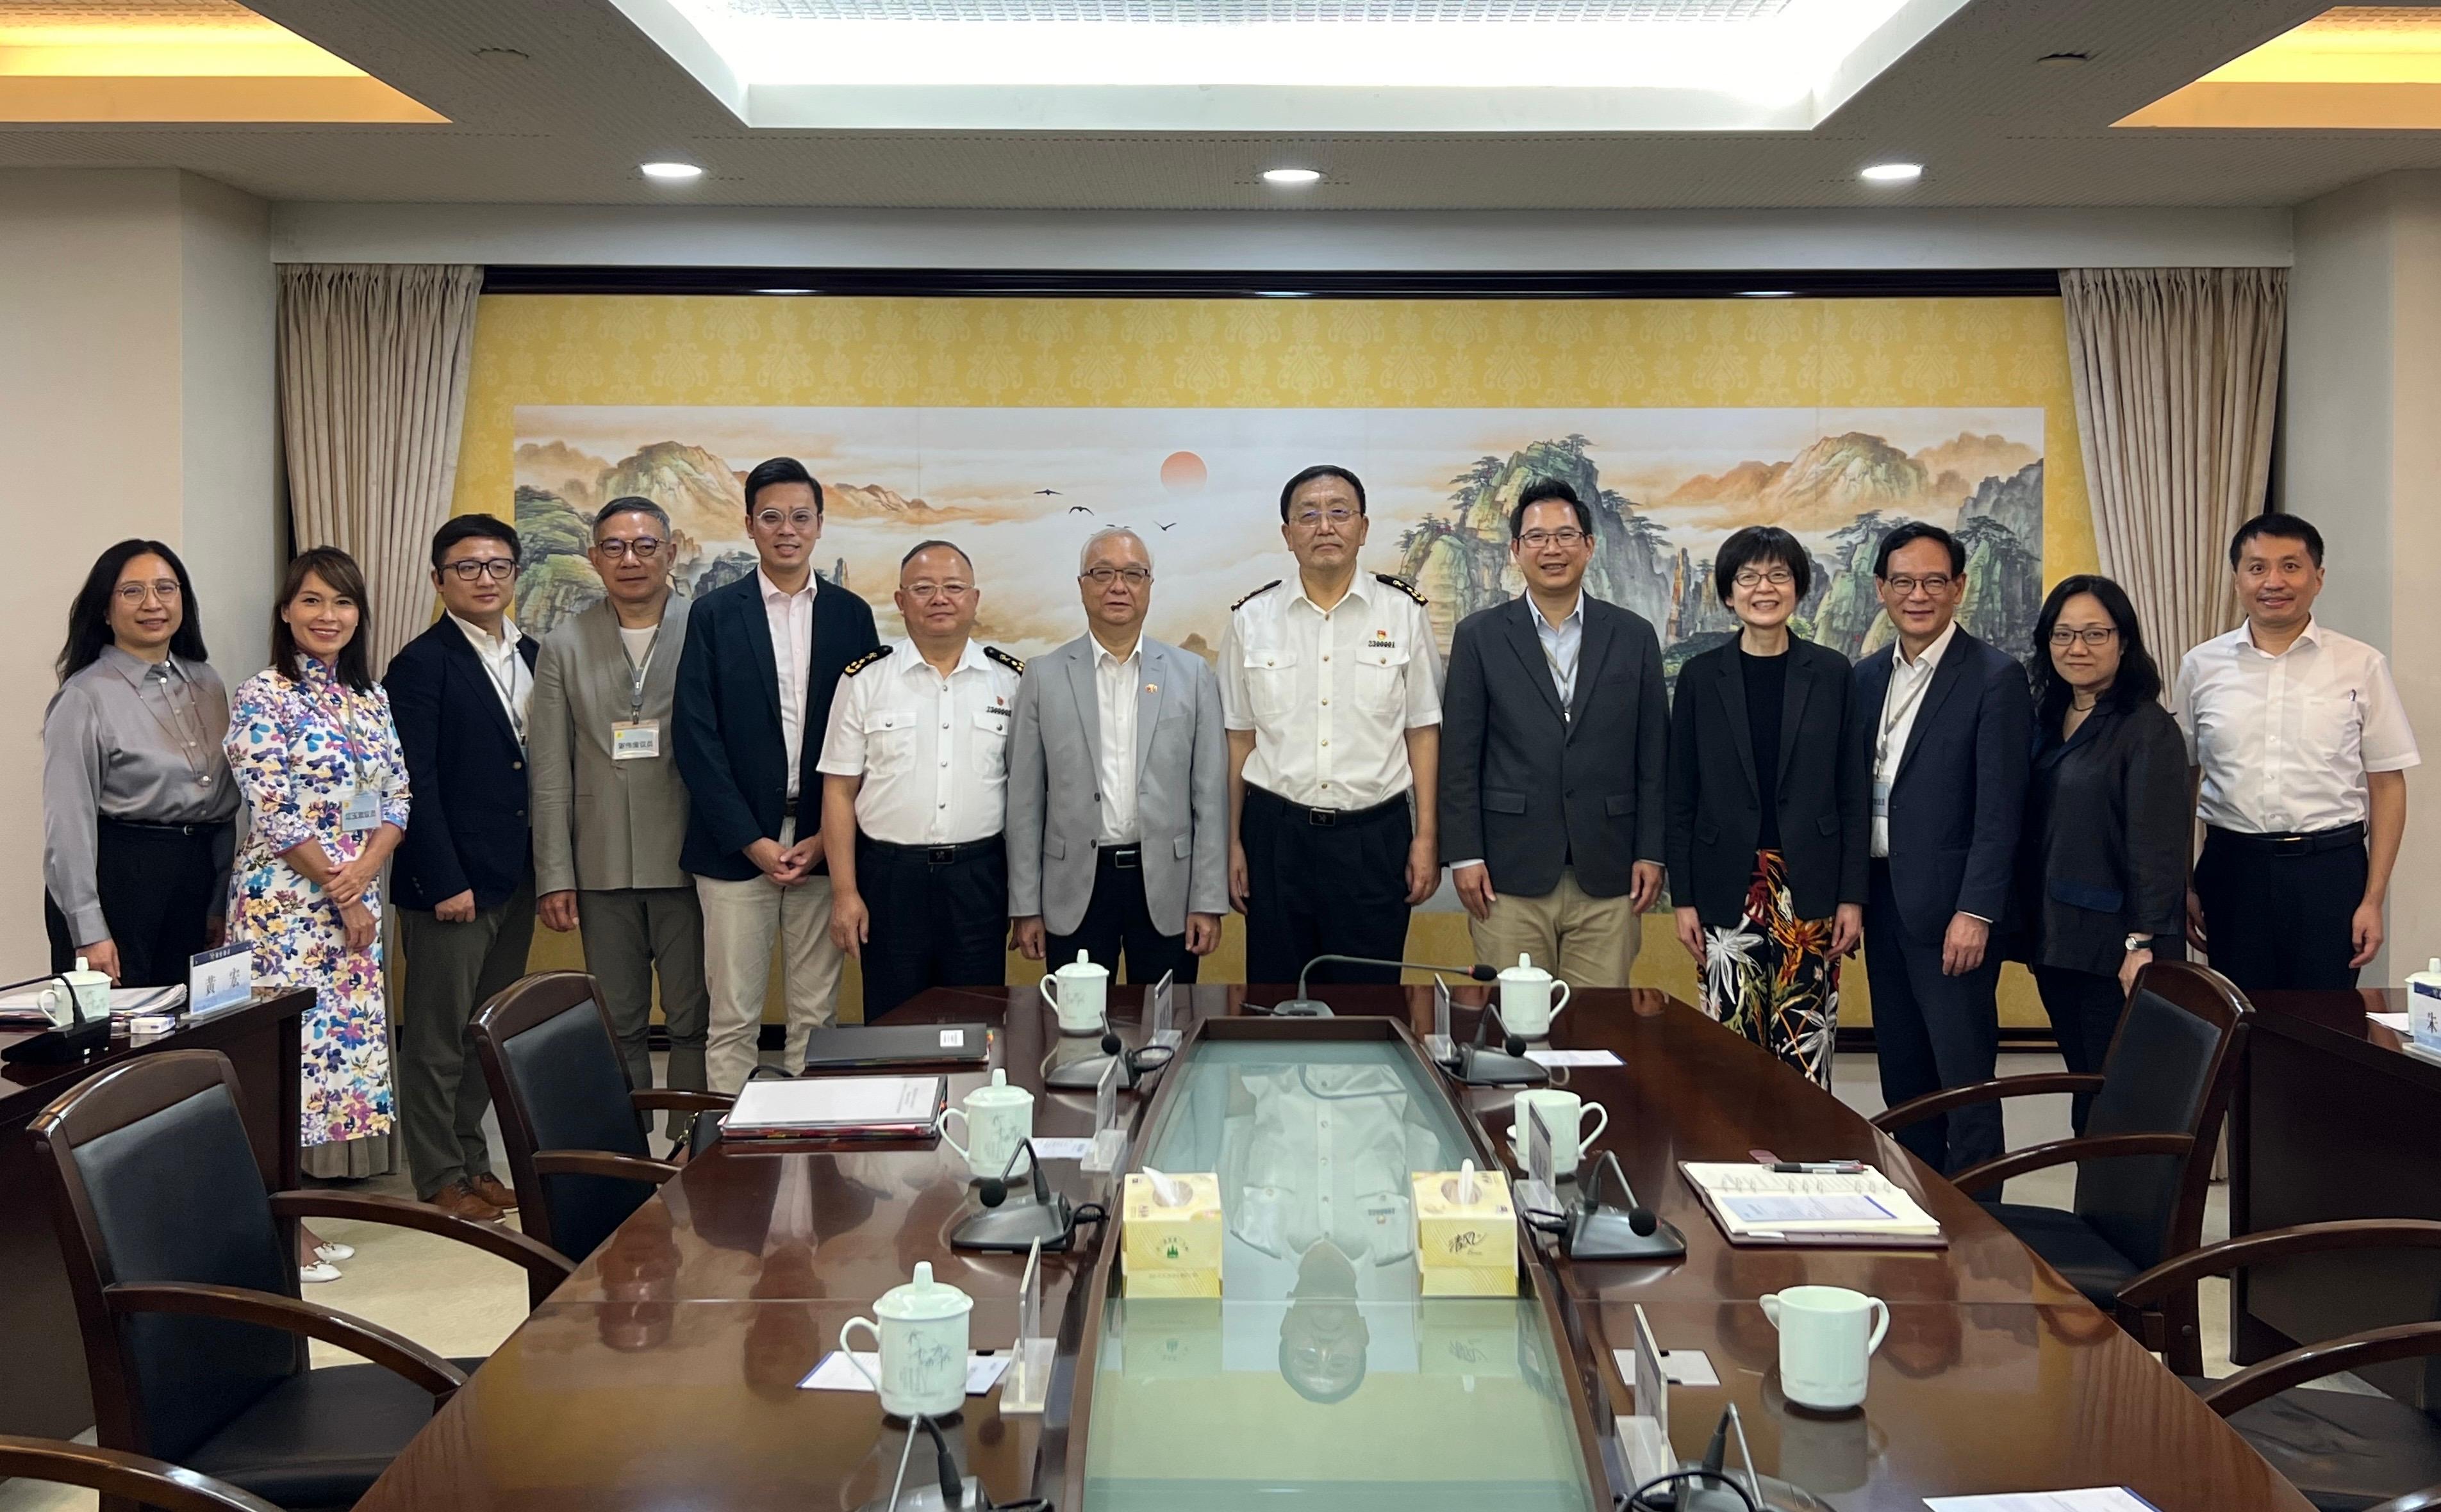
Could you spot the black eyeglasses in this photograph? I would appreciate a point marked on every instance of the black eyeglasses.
(498, 568)
(644, 548)
(1100, 577)
(2095, 636)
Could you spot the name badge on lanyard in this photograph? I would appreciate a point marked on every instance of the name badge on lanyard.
(1881, 798)
(361, 812)
(635, 740)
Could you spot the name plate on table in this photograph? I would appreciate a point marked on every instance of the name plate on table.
(220, 979)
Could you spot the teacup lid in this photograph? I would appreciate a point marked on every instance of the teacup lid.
(84, 973)
(1524, 970)
(1083, 966)
(999, 1091)
(922, 1297)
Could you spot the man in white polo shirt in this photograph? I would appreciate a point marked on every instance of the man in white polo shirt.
(2300, 749)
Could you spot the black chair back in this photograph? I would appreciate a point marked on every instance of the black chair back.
(2168, 1072)
(155, 1180)
(559, 1083)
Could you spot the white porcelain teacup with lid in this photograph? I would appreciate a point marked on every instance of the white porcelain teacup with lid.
(922, 1337)
(1526, 1007)
(1079, 992)
(998, 1118)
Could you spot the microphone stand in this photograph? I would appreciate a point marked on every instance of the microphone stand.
(1048, 1220)
(1302, 1006)
(1480, 1064)
(1085, 1073)
(1600, 1233)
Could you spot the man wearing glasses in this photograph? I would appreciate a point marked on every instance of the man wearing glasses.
(1951, 718)
(1331, 690)
(601, 727)
(763, 656)
(915, 793)
(463, 875)
(1118, 786)
(1555, 746)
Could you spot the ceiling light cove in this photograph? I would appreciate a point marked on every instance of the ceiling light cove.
(1891, 173)
(1292, 177)
(672, 172)
(1353, 66)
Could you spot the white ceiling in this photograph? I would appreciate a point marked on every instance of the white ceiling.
(558, 101)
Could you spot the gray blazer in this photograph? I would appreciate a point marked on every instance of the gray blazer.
(601, 824)
(1182, 789)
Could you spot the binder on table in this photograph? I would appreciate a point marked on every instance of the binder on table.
(873, 1047)
(1755, 1205)
(836, 1108)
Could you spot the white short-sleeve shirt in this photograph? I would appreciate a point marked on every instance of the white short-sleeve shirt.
(933, 751)
(2285, 742)
(1331, 696)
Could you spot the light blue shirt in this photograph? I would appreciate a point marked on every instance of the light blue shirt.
(1562, 644)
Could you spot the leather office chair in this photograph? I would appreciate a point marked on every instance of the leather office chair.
(2145, 1161)
(568, 1114)
(2343, 1451)
(129, 1477)
(185, 1278)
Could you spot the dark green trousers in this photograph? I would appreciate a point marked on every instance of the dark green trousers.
(452, 970)
(628, 932)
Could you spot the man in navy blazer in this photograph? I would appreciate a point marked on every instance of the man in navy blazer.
(1950, 721)
(763, 657)
(464, 876)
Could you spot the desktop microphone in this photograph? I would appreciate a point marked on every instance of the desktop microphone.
(1048, 1220)
(1597, 1231)
(1478, 1064)
(1302, 1006)
(1085, 1073)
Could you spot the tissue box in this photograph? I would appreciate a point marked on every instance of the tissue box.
(1465, 1248)
(1170, 1251)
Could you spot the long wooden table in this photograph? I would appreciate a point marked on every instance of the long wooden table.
(43, 1390)
(664, 1370)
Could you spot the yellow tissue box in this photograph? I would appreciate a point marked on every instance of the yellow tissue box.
(1465, 1248)
(1170, 1251)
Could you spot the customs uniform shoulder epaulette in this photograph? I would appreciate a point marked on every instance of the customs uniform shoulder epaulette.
(1257, 594)
(866, 660)
(1402, 585)
(1016, 664)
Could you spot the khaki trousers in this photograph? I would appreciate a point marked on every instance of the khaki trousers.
(741, 922)
(1584, 941)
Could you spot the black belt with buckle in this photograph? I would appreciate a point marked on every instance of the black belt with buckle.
(788, 809)
(1120, 858)
(939, 854)
(164, 831)
(1332, 818)
(2292, 843)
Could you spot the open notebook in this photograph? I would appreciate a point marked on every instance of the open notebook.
(1755, 1205)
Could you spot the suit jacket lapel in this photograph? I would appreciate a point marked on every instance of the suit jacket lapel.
(1082, 672)
(1795, 687)
(1600, 629)
(1151, 693)
(1945, 677)
(1526, 641)
(758, 641)
(1732, 683)
(463, 651)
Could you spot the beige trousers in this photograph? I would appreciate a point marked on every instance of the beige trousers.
(1584, 941)
(741, 921)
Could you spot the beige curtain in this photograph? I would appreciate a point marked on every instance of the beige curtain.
(2176, 372)
(373, 376)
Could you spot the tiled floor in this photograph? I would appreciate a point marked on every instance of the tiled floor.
(458, 1302)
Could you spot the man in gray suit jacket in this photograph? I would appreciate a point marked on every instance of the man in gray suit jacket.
(609, 811)
(1555, 740)
(1118, 786)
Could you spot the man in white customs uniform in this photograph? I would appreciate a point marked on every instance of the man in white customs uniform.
(915, 793)
(1331, 688)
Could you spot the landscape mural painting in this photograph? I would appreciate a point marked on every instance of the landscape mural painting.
(1020, 490)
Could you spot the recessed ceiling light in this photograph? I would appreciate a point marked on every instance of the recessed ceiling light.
(1767, 294)
(672, 171)
(1892, 173)
(1291, 176)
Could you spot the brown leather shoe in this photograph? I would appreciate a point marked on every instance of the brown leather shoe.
(458, 1200)
(495, 1191)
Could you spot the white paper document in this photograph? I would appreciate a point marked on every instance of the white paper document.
(1060, 1149)
(2391, 1021)
(846, 1102)
(1679, 1367)
(1839, 1208)
(836, 1374)
(1757, 1203)
(2099, 1499)
(1573, 1058)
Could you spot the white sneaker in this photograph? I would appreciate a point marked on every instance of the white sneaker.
(335, 1251)
(318, 1270)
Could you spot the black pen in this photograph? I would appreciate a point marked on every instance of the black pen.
(1819, 1167)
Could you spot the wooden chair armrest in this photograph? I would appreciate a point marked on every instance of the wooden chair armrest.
(2374, 1346)
(393, 1352)
(604, 1163)
(116, 1472)
(2277, 1244)
(685, 1102)
(2063, 1152)
(544, 1267)
(1916, 1110)
(2424, 1501)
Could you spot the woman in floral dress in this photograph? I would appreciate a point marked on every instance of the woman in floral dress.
(312, 748)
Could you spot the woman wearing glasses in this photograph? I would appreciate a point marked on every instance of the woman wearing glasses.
(2102, 861)
(137, 796)
(1768, 817)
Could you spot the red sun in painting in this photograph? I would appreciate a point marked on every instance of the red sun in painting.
(1183, 473)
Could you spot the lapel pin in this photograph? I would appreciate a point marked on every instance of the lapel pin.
(1152, 687)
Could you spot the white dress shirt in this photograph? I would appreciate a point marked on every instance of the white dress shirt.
(1330, 694)
(1115, 681)
(1563, 644)
(933, 751)
(792, 618)
(511, 679)
(1895, 721)
(2285, 742)
(1325, 1153)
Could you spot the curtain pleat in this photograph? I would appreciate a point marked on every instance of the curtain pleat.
(374, 362)
(2176, 373)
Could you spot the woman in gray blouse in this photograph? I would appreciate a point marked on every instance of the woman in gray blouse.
(137, 796)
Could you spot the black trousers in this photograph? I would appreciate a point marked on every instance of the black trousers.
(2281, 917)
(160, 884)
(1930, 1032)
(1324, 882)
(1118, 922)
(939, 918)
(2084, 1010)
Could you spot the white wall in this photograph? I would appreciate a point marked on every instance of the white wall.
(136, 391)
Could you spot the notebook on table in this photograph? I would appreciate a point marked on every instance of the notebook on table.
(1755, 1205)
(836, 1108)
(868, 1046)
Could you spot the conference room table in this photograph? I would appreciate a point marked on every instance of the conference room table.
(665, 1371)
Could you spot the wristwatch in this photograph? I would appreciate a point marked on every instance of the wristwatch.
(2140, 942)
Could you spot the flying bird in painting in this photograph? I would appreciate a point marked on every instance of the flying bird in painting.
(1049, 492)
(1078, 509)
(1171, 526)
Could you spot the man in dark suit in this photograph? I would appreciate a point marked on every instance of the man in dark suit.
(464, 876)
(763, 657)
(1555, 732)
(1950, 721)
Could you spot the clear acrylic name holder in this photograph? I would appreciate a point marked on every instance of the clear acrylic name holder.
(1109, 1147)
(1027, 1385)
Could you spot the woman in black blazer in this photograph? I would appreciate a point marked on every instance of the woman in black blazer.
(2102, 861)
(1768, 821)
